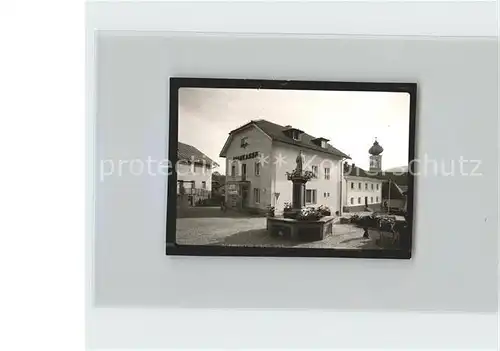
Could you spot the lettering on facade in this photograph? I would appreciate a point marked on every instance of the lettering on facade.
(246, 156)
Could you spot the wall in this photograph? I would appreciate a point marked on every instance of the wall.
(257, 142)
(448, 272)
(283, 186)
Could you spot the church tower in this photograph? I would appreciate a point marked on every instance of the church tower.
(375, 157)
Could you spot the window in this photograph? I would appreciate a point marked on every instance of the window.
(327, 173)
(315, 171)
(203, 184)
(377, 186)
(257, 169)
(352, 201)
(377, 198)
(233, 170)
(323, 144)
(244, 169)
(311, 196)
(372, 186)
(352, 185)
(359, 199)
(359, 186)
(256, 195)
(371, 199)
(244, 142)
(366, 186)
(295, 135)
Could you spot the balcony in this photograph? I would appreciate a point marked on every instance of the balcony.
(238, 178)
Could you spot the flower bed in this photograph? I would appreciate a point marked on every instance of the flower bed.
(307, 213)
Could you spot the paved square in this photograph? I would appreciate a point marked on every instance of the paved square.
(211, 226)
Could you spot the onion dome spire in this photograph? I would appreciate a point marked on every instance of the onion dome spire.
(376, 149)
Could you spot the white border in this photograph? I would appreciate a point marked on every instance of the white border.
(140, 328)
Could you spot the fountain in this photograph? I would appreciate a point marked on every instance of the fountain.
(296, 222)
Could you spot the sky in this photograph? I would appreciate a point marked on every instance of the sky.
(351, 120)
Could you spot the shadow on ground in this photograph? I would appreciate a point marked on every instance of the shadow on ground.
(211, 212)
(259, 237)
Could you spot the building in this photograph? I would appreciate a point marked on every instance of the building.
(194, 175)
(362, 190)
(260, 153)
(394, 191)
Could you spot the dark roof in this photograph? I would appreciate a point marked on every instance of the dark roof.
(396, 192)
(401, 179)
(355, 171)
(186, 152)
(277, 133)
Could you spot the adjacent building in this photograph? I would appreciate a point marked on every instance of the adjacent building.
(361, 190)
(260, 153)
(194, 175)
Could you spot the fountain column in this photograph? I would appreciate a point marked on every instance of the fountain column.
(298, 194)
(299, 178)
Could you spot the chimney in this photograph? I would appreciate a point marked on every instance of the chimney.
(346, 167)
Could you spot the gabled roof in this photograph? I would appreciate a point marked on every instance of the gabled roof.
(186, 152)
(277, 133)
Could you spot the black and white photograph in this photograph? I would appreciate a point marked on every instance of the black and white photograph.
(290, 168)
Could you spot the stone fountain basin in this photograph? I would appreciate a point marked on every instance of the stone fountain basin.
(303, 230)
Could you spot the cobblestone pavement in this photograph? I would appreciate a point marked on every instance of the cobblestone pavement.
(251, 231)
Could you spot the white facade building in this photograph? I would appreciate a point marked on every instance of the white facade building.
(260, 153)
(361, 190)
